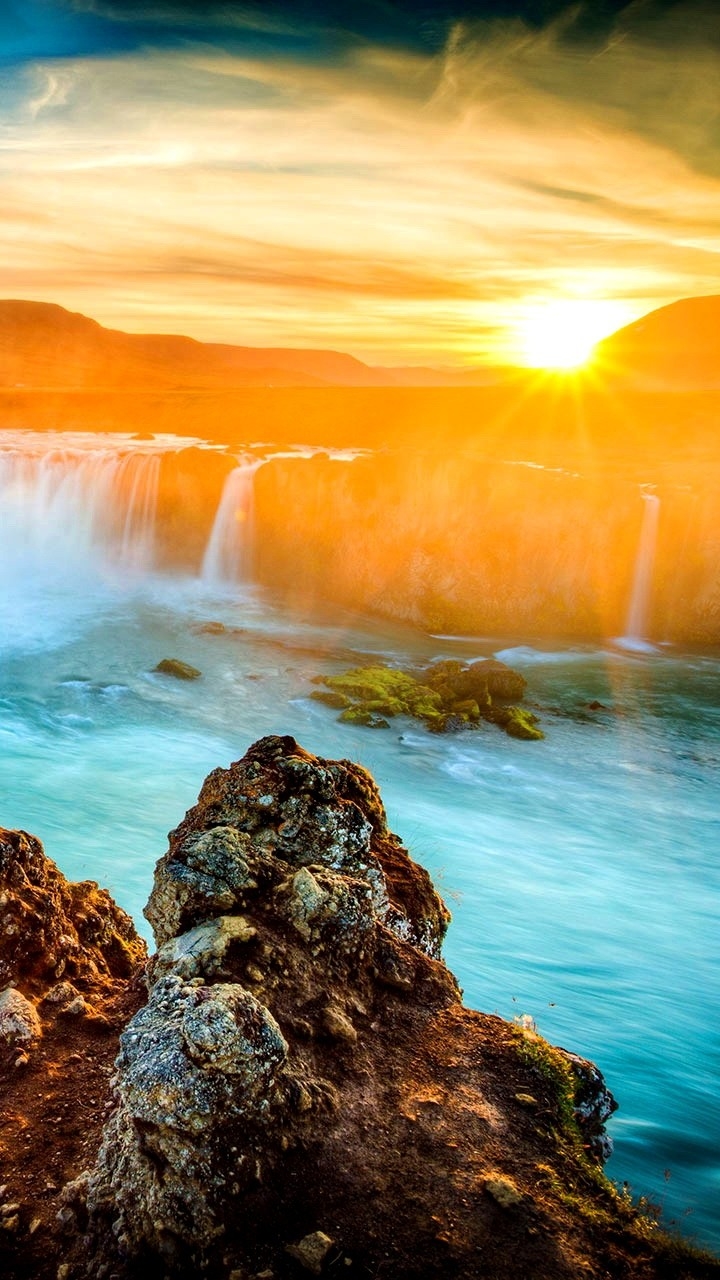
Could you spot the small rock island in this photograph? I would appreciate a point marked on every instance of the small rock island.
(299, 1089)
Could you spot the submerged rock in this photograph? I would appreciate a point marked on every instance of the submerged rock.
(180, 670)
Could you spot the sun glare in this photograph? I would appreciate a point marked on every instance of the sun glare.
(562, 334)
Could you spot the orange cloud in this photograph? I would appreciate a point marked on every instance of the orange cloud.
(398, 205)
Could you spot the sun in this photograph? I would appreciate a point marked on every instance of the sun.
(562, 334)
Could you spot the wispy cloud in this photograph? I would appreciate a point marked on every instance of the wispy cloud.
(390, 201)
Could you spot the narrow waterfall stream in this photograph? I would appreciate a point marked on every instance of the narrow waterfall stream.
(228, 556)
(640, 596)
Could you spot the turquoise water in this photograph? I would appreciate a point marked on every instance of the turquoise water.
(582, 872)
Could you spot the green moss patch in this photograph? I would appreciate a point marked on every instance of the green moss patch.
(445, 696)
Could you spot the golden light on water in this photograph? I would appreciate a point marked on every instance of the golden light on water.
(562, 334)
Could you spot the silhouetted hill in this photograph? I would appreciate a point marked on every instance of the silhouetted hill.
(44, 346)
(675, 347)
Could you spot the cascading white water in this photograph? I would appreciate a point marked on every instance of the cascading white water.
(636, 625)
(75, 522)
(228, 555)
(68, 507)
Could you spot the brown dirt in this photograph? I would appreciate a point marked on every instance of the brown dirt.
(52, 1110)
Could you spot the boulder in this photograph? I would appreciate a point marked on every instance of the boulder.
(304, 1087)
(175, 667)
(19, 1021)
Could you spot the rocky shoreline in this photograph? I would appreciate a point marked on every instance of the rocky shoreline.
(299, 1089)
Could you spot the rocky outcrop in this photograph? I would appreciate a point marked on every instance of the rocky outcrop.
(70, 964)
(304, 1089)
(58, 939)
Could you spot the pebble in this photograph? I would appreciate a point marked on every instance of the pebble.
(75, 1008)
(503, 1191)
(311, 1251)
(337, 1025)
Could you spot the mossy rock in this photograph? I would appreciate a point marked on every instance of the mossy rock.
(468, 709)
(360, 715)
(330, 698)
(523, 724)
(386, 690)
(516, 721)
(447, 696)
(501, 681)
(180, 670)
(455, 682)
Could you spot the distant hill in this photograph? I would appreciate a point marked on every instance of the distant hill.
(676, 347)
(43, 346)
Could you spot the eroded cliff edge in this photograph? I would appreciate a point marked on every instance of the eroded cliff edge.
(303, 1091)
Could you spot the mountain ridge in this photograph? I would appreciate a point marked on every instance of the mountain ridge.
(44, 346)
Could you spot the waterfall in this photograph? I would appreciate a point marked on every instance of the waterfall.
(228, 555)
(636, 624)
(66, 509)
(76, 523)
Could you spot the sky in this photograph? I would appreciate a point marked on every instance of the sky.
(413, 183)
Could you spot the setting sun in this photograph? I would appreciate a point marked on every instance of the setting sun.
(562, 334)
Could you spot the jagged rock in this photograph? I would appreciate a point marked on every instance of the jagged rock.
(51, 929)
(303, 1088)
(303, 1072)
(70, 963)
(311, 1251)
(19, 1022)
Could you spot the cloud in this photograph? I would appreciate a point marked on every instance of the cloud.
(389, 200)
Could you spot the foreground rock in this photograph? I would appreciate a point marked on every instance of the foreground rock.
(304, 1092)
(70, 962)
